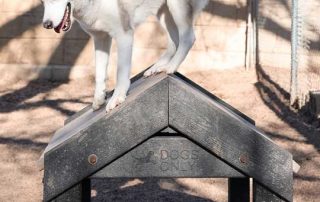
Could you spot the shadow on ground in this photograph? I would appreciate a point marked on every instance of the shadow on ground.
(147, 190)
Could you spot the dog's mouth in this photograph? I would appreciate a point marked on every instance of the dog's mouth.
(65, 23)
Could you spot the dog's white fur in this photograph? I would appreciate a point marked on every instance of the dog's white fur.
(106, 19)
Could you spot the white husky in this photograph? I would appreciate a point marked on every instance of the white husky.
(106, 19)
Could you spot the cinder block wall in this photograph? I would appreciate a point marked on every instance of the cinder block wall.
(28, 50)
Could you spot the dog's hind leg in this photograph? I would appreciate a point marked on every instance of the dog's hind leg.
(102, 43)
(125, 42)
(183, 14)
(170, 27)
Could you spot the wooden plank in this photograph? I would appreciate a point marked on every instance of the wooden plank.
(144, 113)
(168, 156)
(238, 190)
(89, 117)
(79, 193)
(214, 98)
(261, 194)
(229, 136)
(134, 83)
(73, 194)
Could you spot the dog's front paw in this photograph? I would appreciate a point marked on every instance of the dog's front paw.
(154, 70)
(115, 101)
(98, 101)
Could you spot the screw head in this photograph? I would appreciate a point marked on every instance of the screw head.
(93, 159)
(243, 159)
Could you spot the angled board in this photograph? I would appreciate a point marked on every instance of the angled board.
(168, 156)
(229, 136)
(135, 81)
(144, 113)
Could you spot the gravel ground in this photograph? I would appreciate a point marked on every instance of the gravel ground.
(30, 112)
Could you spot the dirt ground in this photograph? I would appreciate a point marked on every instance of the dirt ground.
(30, 112)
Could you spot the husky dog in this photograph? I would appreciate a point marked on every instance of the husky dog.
(107, 19)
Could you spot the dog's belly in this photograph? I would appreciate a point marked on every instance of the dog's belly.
(116, 16)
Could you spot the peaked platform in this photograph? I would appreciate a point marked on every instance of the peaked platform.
(206, 138)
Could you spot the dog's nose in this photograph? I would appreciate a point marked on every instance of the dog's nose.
(48, 24)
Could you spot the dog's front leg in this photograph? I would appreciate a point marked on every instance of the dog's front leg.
(125, 42)
(102, 44)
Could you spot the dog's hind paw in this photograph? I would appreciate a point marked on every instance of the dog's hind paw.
(154, 70)
(157, 70)
(114, 102)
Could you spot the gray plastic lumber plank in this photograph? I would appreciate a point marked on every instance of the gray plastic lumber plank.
(134, 83)
(74, 194)
(168, 157)
(89, 117)
(144, 113)
(213, 97)
(140, 75)
(261, 194)
(229, 136)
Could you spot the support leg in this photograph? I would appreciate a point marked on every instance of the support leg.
(79, 193)
(239, 190)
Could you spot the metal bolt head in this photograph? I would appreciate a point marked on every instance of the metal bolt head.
(243, 159)
(93, 159)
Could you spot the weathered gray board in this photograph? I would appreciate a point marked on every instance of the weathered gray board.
(261, 194)
(109, 136)
(87, 116)
(135, 81)
(171, 156)
(156, 103)
(230, 137)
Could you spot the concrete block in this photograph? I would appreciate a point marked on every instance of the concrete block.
(19, 6)
(30, 51)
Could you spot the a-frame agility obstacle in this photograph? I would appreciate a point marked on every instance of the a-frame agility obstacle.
(167, 127)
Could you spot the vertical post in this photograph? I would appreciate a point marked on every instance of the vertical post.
(79, 193)
(86, 190)
(250, 58)
(315, 104)
(248, 49)
(294, 52)
(261, 194)
(256, 18)
(239, 190)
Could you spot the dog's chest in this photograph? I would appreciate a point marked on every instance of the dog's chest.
(102, 18)
(111, 26)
